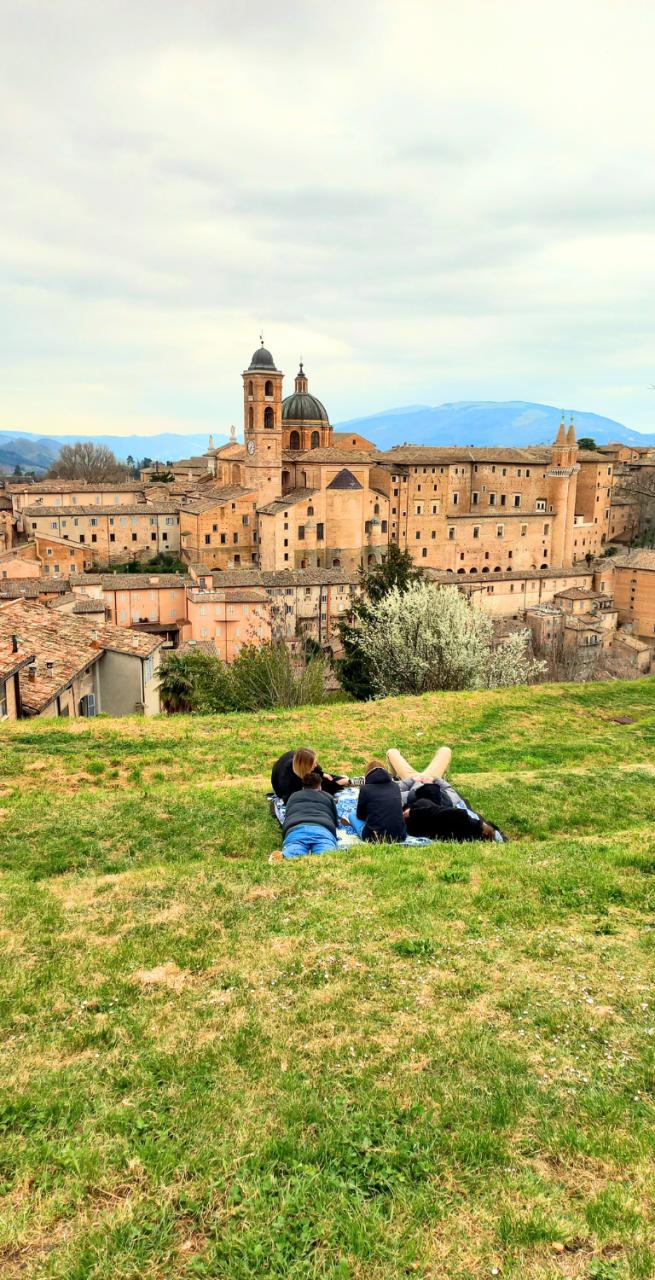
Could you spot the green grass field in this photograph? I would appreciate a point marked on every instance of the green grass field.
(436, 1062)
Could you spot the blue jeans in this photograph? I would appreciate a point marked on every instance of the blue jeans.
(357, 825)
(308, 837)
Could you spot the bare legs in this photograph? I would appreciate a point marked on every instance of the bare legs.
(437, 768)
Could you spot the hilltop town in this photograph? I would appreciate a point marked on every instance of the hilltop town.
(272, 533)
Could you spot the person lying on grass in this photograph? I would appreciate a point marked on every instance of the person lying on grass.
(379, 816)
(292, 768)
(310, 821)
(431, 805)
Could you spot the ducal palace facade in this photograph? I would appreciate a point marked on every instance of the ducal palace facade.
(297, 495)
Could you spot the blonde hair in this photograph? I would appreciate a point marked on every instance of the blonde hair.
(304, 760)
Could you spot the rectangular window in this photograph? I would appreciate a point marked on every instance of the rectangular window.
(112, 538)
(245, 519)
(207, 539)
(517, 499)
(223, 539)
(455, 499)
(540, 504)
(320, 532)
(418, 535)
(93, 522)
(451, 535)
(500, 530)
(492, 499)
(53, 524)
(301, 532)
(134, 537)
(153, 537)
(235, 537)
(384, 526)
(476, 531)
(475, 498)
(503, 499)
(94, 537)
(546, 529)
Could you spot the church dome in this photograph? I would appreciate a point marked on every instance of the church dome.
(262, 359)
(303, 407)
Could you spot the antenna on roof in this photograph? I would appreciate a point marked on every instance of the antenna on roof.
(261, 337)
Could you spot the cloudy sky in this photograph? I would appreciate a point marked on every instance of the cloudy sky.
(429, 200)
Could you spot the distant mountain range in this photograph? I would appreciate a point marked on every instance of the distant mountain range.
(485, 422)
(466, 422)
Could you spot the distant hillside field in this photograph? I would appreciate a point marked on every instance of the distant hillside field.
(373, 1064)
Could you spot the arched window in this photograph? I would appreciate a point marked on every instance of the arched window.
(269, 417)
(294, 440)
(497, 569)
(461, 570)
(371, 559)
(316, 439)
(376, 509)
(543, 566)
(268, 387)
(336, 563)
(310, 510)
(485, 568)
(250, 389)
(251, 419)
(286, 481)
(473, 571)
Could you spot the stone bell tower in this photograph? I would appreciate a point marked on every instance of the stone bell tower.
(262, 426)
(562, 484)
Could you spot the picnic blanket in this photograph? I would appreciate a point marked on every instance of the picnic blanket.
(346, 805)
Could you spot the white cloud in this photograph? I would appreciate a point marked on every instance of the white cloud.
(428, 201)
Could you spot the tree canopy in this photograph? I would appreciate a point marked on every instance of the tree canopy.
(86, 461)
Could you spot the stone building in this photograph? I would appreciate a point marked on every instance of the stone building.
(109, 533)
(296, 495)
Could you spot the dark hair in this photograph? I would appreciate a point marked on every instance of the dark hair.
(312, 781)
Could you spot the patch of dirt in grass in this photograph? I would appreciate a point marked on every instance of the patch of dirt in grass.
(163, 975)
(260, 891)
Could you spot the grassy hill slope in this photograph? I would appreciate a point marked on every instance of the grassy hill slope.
(383, 1063)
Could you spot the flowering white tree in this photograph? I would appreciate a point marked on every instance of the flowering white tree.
(430, 637)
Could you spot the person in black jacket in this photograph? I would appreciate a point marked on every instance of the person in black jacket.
(291, 768)
(425, 818)
(310, 822)
(379, 807)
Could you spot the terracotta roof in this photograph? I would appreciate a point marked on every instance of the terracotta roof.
(511, 575)
(330, 454)
(11, 662)
(120, 509)
(219, 497)
(14, 588)
(62, 648)
(197, 646)
(139, 581)
(88, 604)
(289, 499)
(640, 558)
(86, 579)
(78, 486)
(431, 455)
(576, 593)
(282, 577)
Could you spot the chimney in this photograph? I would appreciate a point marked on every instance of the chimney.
(14, 644)
(31, 671)
(135, 642)
(49, 666)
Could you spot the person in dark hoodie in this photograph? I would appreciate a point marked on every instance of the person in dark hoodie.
(379, 816)
(425, 818)
(291, 769)
(310, 821)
